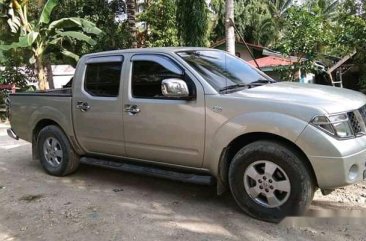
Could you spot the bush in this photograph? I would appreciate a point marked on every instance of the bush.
(3, 96)
(11, 75)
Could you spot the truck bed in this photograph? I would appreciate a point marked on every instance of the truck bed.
(29, 108)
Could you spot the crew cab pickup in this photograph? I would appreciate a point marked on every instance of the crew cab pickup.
(199, 115)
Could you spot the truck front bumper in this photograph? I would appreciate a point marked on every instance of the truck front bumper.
(336, 163)
(12, 134)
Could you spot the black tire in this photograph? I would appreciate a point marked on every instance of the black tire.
(69, 161)
(256, 155)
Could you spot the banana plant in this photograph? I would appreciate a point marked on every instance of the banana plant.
(43, 36)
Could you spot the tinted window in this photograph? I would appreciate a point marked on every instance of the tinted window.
(147, 77)
(103, 79)
(221, 69)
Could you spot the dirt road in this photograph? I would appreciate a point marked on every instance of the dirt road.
(100, 204)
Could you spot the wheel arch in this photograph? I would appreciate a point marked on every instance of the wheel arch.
(241, 141)
(48, 122)
(42, 124)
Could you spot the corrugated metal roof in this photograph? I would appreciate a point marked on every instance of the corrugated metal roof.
(272, 61)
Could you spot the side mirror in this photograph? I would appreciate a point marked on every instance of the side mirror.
(174, 88)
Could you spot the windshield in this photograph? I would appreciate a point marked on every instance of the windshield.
(221, 69)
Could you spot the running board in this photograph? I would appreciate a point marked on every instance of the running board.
(150, 171)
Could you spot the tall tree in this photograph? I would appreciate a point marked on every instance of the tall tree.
(192, 22)
(326, 8)
(42, 36)
(305, 36)
(351, 35)
(279, 8)
(160, 17)
(218, 19)
(253, 19)
(107, 15)
(229, 27)
(131, 18)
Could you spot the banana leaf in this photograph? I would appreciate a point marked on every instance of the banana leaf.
(47, 10)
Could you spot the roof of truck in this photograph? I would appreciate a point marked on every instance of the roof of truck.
(149, 50)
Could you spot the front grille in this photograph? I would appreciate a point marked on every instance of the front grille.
(362, 111)
(358, 120)
(355, 123)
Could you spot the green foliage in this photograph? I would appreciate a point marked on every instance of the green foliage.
(54, 35)
(254, 20)
(325, 8)
(47, 10)
(218, 19)
(192, 22)
(2, 57)
(350, 35)
(161, 18)
(304, 34)
(43, 37)
(279, 8)
(3, 96)
(103, 13)
(306, 37)
(13, 75)
(13, 70)
(257, 20)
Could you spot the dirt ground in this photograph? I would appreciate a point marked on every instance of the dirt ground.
(100, 204)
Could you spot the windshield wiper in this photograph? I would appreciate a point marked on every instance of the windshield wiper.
(263, 81)
(230, 87)
(249, 85)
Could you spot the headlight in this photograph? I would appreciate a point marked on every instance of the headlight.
(335, 125)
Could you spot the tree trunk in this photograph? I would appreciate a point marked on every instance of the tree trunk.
(49, 74)
(229, 28)
(41, 74)
(131, 19)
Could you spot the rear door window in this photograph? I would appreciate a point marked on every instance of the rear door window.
(103, 79)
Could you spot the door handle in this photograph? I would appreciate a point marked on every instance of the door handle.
(132, 109)
(82, 106)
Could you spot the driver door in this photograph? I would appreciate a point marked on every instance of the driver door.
(162, 129)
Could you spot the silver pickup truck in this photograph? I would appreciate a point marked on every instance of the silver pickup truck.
(199, 115)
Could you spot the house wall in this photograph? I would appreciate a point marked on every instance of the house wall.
(242, 50)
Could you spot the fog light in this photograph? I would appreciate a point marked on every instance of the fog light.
(353, 171)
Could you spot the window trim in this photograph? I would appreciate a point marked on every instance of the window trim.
(154, 58)
(104, 59)
(101, 60)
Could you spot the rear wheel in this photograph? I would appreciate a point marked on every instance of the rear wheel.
(55, 152)
(270, 181)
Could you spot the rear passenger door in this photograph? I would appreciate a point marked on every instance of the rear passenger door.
(97, 106)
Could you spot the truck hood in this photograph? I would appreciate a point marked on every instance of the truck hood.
(330, 99)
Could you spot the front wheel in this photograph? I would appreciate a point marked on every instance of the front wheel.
(55, 152)
(269, 181)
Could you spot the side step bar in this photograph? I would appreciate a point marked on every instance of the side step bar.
(150, 171)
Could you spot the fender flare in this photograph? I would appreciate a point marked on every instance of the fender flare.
(277, 124)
